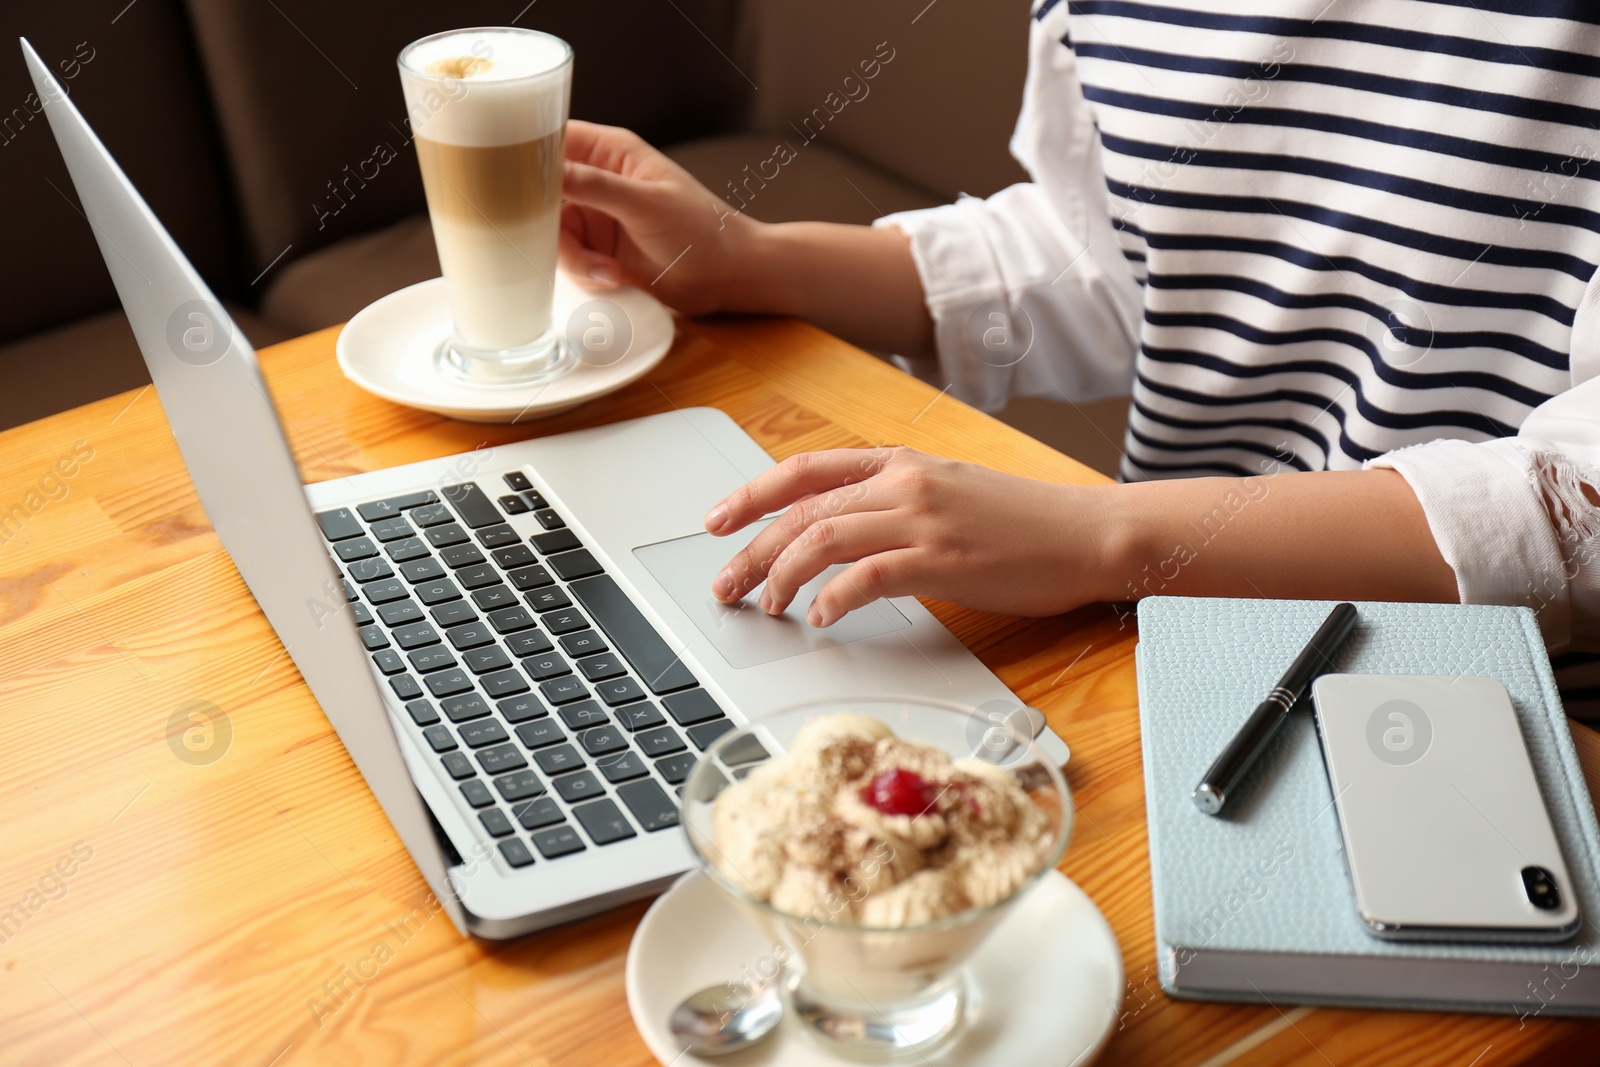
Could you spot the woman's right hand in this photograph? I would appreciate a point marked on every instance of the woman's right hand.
(633, 215)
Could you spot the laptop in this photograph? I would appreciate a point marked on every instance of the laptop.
(517, 645)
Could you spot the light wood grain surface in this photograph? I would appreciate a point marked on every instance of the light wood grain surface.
(245, 910)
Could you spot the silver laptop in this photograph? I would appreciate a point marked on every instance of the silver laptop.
(517, 645)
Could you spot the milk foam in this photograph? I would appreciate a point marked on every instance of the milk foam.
(519, 94)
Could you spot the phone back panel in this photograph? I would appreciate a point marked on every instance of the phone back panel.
(1439, 807)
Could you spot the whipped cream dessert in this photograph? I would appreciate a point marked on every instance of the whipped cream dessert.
(859, 826)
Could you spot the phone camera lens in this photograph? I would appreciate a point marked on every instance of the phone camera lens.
(1540, 886)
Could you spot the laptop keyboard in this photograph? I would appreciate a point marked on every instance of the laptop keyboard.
(562, 716)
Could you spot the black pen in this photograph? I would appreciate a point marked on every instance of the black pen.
(1264, 723)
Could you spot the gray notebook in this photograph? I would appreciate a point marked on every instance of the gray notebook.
(1255, 904)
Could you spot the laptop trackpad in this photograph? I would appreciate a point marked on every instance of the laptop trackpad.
(745, 635)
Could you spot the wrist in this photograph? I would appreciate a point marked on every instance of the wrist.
(1120, 543)
(752, 259)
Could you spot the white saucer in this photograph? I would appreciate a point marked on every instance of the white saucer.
(1047, 983)
(388, 349)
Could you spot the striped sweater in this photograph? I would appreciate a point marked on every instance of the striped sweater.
(1307, 236)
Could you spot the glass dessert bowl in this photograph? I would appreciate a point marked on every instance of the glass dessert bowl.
(877, 843)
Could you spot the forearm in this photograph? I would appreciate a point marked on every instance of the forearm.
(1347, 535)
(858, 282)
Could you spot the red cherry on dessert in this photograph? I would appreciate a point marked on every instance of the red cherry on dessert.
(898, 792)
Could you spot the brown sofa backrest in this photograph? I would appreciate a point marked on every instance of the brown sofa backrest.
(309, 100)
(938, 113)
(137, 81)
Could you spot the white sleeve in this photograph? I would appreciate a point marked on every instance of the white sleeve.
(1518, 519)
(1028, 289)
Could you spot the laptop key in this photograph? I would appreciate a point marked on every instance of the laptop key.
(457, 765)
(649, 804)
(464, 708)
(548, 599)
(422, 713)
(480, 732)
(662, 741)
(404, 551)
(348, 589)
(558, 760)
(339, 524)
(521, 709)
(519, 785)
(504, 683)
(578, 716)
(598, 668)
(514, 852)
(565, 621)
(361, 614)
(550, 519)
(622, 767)
(745, 750)
(422, 570)
(517, 481)
(691, 707)
(514, 505)
(440, 738)
(493, 597)
(501, 759)
(535, 577)
(529, 643)
(448, 683)
(494, 820)
(485, 659)
(570, 566)
(498, 536)
(373, 637)
(405, 687)
(383, 509)
(430, 515)
(392, 529)
(518, 555)
(385, 591)
(560, 841)
(401, 611)
(575, 787)
(622, 690)
(472, 505)
(539, 813)
(603, 740)
(510, 620)
(582, 643)
(477, 576)
(389, 661)
(453, 613)
(546, 665)
(437, 591)
(534, 500)
(549, 544)
(355, 548)
(603, 822)
(707, 732)
(415, 635)
(563, 690)
(461, 556)
(631, 634)
(540, 733)
(370, 570)
(676, 768)
(635, 717)
(477, 793)
(444, 536)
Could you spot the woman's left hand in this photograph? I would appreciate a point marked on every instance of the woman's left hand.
(914, 524)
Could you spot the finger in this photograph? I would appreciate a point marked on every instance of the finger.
(838, 539)
(894, 573)
(795, 477)
(749, 568)
(603, 146)
(624, 199)
(587, 267)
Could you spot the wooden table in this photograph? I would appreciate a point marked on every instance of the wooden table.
(238, 907)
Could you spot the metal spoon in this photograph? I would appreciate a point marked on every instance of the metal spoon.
(726, 1018)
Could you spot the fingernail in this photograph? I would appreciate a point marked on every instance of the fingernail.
(814, 617)
(723, 586)
(603, 273)
(717, 518)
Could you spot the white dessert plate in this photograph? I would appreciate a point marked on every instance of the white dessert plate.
(1047, 984)
(388, 349)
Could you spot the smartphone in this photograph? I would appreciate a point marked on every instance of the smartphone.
(1445, 834)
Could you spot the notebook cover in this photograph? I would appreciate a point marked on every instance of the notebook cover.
(1265, 880)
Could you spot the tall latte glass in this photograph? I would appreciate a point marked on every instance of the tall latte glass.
(488, 110)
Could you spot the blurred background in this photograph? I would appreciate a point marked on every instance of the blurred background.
(269, 137)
